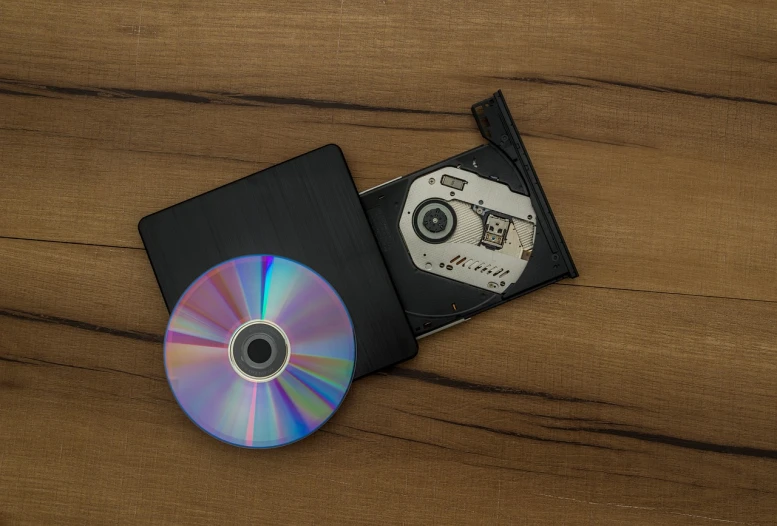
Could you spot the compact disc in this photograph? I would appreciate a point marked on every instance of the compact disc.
(260, 351)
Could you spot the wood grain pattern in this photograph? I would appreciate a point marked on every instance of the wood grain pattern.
(643, 392)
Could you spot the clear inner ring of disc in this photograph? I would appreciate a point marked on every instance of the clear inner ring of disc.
(259, 350)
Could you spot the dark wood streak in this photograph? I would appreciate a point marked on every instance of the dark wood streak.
(109, 93)
(56, 320)
(328, 430)
(562, 137)
(514, 434)
(541, 80)
(500, 466)
(561, 418)
(404, 439)
(440, 446)
(208, 97)
(83, 92)
(670, 293)
(11, 359)
(578, 82)
(330, 104)
(164, 95)
(679, 91)
(460, 451)
(433, 378)
(78, 243)
(40, 362)
(19, 93)
(678, 442)
(408, 128)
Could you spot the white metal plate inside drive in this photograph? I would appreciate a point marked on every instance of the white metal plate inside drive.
(463, 257)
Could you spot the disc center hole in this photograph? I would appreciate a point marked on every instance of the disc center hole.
(259, 350)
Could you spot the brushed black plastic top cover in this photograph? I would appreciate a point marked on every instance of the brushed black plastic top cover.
(306, 209)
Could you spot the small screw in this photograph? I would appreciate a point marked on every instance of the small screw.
(502, 284)
(431, 180)
(442, 265)
(529, 216)
(453, 193)
(480, 202)
(555, 257)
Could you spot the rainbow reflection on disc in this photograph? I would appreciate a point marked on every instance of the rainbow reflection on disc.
(260, 351)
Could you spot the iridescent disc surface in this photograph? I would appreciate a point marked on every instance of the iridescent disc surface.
(260, 413)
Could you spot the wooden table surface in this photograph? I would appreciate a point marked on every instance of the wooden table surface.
(643, 392)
